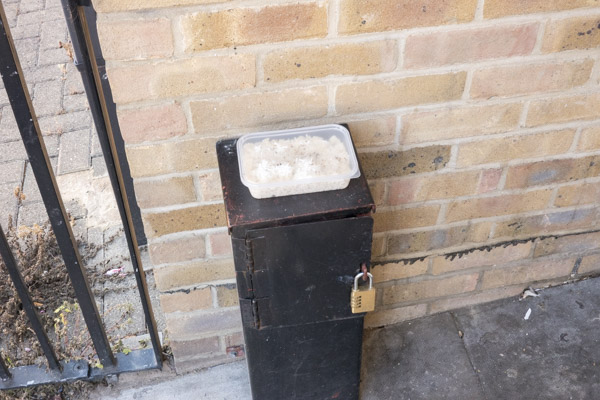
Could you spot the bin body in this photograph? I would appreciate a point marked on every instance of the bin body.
(295, 261)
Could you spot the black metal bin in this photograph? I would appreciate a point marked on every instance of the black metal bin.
(295, 261)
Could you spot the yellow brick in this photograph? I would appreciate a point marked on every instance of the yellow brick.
(135, 39)
(472, 299)
(552, 171)
(377, 189)
(429, 289)
(498, 205)
(104, 6)
(406, 218)
(571, 34)
(527, 273)
(344, 59)
(444, 186)
(152, 123)
(195, 299)
(394, 315)
(167, 158)
(182, 77)
(165, 192)
(563, 109)
(501, 8)
(172, 277)
(589, 265)
(459, 122)
(210, 186)
(589, 139)
(359, 16)
(393, 271)
(178, 250)
(185, 219)
(242, 26)
(393, 163)
(373, 132)
(258, 109)
(384, 95)
(227, 295)
(515, 147)
(576, 195)
(523, 79)
(378, 247)
(481, 258)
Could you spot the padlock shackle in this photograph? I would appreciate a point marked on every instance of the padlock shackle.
(360, 275)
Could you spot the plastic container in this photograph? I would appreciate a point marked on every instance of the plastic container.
(297, 161)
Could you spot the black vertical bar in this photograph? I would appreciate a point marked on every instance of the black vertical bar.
(32, 315)
(18, 95)
(4, 372)
(84, 56)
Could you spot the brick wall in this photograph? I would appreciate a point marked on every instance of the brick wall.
(477, 123)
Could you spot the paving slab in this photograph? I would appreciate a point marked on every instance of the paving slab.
(423, 359)
(554, 354)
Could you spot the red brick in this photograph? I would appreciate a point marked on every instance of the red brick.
(152, 123)
(469, 45)
(403, 191)
(489, 180)
(220, 244)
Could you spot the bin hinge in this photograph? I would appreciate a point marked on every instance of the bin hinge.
(249, 256)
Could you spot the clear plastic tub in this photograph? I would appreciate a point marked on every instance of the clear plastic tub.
(297, 161)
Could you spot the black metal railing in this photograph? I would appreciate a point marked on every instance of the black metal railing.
(20, 101)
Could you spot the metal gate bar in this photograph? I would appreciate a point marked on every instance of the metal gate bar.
(86, 62)
(32, 314)
(18, 95)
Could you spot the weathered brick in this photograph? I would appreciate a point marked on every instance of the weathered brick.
(394, 93)
(195, 299)
(165, 192)
(405, 243)
(394, 315)
(343, 59)
(172, 277)
(474, 298)
(242, 26)
(589, 139)
(589, 265)
(498, 205)
(546, 223)
(576, 244)
(378, 247)
(257, 109)
(220, 244)
(490, 178)
(523, 79)
(430, 288)
(184, 326)
(377, 189)
(373, 132)
(572, 33)
(449, 185)
(552, 171)
(210, 186)
(528, 273)
(166, 79)
(227, 295)
(468, 45)
(452, 123)
(502, 8)
(563, 109)
(184, 219)
(235, 339)
(185, 348)
(106, 6)
(515, 147)
(406, 218)
(399, 270)
(135, 39)
(178, 250)
(359, 16)
(152, 123)
(482, 258)
(575, 195)
(167, 158)
(386, 164)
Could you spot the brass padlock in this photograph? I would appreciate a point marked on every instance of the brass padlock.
(362, 301)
